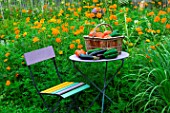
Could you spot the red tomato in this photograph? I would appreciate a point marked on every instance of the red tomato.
(78, 52)
(91, 33)
(99, 34)
(107, 32)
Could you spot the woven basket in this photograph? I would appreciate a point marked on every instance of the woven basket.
(104, 43)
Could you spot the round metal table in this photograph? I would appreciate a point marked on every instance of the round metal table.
(121, 57)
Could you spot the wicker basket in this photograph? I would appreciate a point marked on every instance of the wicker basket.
(104, 43)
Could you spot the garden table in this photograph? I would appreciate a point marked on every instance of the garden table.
(121, 57)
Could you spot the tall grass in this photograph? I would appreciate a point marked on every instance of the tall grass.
(151, 83)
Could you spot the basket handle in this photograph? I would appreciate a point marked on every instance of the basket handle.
(101, 25)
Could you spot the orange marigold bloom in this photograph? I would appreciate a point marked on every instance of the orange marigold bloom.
(2, 36)
(55, 31)
(8, 68)
(72, 27)
(128, 20)
(98, 15)
(92, 15)
(17, 36)
(95, 1)
(138, 29)
(80, 46)
(157, 19)
(8, 83)
(168, 10)
(24, 11)
(159, 3)
(140, 33)
(27, 19)
(116, 23)
(45, 6)
(153, 47)
(168, 26)
(151, 13)
(17, 32)
(24, 34)
(158, 31)
(58, 40)
(114, 6)
(76, 14)
(72, 46)
(7, 54)
(161, 12)
(163, 20)
(78, 41)
(35, 39)
(113, 17)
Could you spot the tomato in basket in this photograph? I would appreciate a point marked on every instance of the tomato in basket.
(107, 32)
(99, 34)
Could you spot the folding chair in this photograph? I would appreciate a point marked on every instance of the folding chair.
(61, 90)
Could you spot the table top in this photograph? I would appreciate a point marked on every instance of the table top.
(119, 57)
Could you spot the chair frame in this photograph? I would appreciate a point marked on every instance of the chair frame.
(39, 57)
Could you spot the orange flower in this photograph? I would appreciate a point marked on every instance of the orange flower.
(98, 15)
(95, 1)
(151, 13)
(72, 46)
(58, 40)
(168, 10)
(45, 6)
(116, 23)
(168, 26)
(27, 19)
(138, 29)
(161, 12)
(159, 3)
(2, 36)
(114, 6)
(17, 32)
(140, 33)
(24, 34)
(153, 47)
(163, 20)
(55, 31)
(24, 11)
(8, 68)
(8, 82)
(17, 36)
(80, 46)
(157, 19)
(72, 27)
(128, 20)
(76, 14)
(92, 15)
(78, 41)
(7, 54)
(158, 31)
(113, 17)
(35, 39)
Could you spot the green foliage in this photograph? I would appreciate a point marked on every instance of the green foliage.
(142, 84)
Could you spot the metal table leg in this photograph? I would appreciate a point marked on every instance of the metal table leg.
(105, 84)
